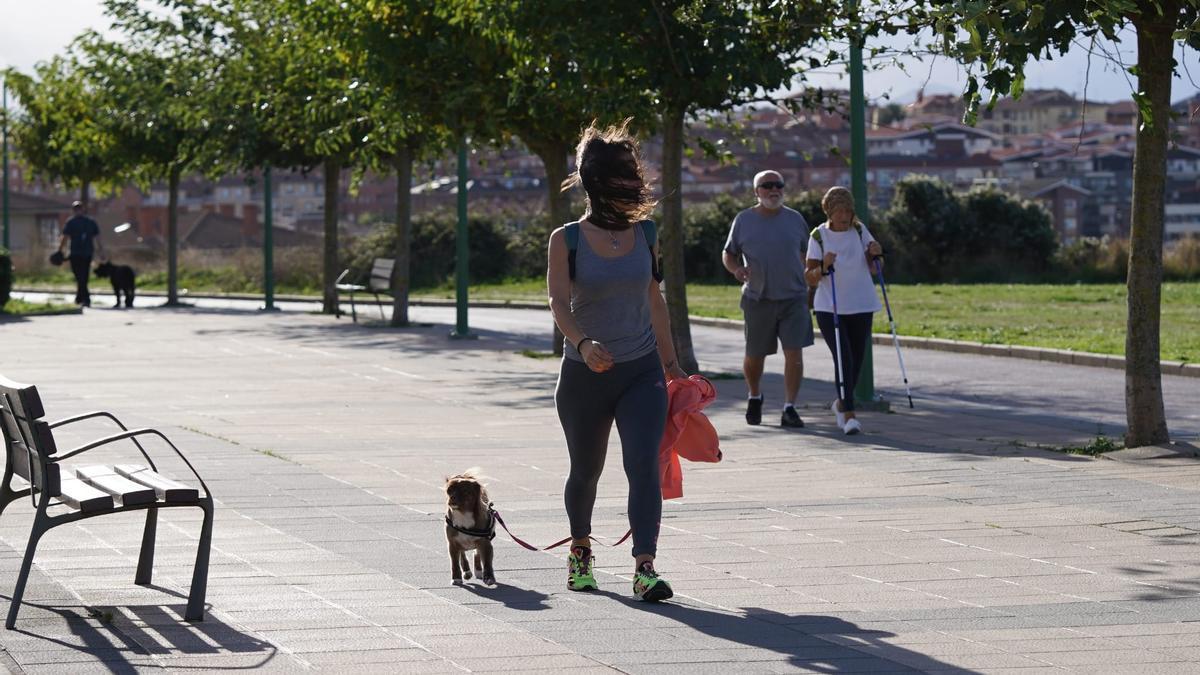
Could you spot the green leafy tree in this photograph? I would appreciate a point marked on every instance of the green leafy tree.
(693, 57)
(60, 131)
(430, 81)
(295, 100)
(159, 86)
(1000, 38)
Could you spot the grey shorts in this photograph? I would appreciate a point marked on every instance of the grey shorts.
(769, 322)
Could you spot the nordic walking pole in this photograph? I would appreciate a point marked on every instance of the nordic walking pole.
(895, 338)
(839, 381)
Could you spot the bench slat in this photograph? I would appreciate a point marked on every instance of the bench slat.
(165, 488)
(125, 491)
(83, 497)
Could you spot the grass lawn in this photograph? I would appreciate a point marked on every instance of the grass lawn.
(15, 307)
(1089, 318)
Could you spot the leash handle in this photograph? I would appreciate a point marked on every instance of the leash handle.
(531, 547)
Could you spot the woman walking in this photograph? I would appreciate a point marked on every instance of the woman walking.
(602, 278)
(839, 257)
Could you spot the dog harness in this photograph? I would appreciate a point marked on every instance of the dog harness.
(489, 532)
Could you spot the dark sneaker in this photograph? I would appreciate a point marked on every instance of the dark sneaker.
(648, 586)
(791, 418)
(579, 569)
(754, 410)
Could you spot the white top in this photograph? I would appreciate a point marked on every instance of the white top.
(855, 286)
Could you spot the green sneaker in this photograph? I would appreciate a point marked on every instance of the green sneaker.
(579, 569)
(648, 586)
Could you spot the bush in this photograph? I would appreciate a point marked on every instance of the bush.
(6, 277)
(433, 249)
(935, 235)
(1181, 259)
(1093, 260)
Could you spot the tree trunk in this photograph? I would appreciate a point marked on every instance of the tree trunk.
(84, 188)
(554, 160)
(671, 238)
(332, 172)
(173, 237)
(401, 273)
(1145, 417)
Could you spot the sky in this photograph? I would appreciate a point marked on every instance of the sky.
(28, 35)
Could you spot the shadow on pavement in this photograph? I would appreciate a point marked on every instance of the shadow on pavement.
(816, 643)
(514, 597)
(114, 635)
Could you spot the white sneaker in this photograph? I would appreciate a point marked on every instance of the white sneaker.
(841, 418)
(852, 427)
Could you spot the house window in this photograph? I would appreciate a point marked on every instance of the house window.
(1069, 224)
(48, 226)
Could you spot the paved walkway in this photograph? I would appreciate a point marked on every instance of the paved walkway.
(939, 541)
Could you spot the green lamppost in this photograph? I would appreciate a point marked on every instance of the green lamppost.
(461, 251)
(5, 131)
(864, 390)
(268, 244)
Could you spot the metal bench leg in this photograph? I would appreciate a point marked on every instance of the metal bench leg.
(353, 312)
(145, 568)
(195, 606)
(380, 306)
(39, 528)
(8, 496)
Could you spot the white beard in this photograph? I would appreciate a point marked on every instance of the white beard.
(771, 203)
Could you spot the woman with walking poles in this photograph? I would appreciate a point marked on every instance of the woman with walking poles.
(602, 278)
(841, 252)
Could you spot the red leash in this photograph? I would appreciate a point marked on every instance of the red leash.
(556, 544)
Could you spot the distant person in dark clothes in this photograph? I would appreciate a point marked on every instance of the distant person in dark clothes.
(84, 236)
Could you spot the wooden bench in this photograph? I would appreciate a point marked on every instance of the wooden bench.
(378, 281)
(86, 491)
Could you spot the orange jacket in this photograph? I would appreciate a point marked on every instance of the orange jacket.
(688, 434)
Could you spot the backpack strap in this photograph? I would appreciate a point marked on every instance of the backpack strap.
(816, 235)
(650, 231)
(571, 231)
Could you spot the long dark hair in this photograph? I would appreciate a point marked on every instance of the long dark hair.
(608, 163)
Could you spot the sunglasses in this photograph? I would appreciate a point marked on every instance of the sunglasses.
(771, 185)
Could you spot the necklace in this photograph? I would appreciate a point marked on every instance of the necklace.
(612, 236)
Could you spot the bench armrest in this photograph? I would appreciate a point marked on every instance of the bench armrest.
(102, 413)
(85, 416)
(131, 435)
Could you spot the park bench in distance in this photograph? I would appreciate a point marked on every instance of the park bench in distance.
(87, 491)
(379, 281)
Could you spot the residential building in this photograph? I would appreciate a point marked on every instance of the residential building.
(1038, 111)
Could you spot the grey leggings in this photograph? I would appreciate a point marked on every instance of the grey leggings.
(635, 395)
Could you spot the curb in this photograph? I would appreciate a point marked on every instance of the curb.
(1066, 356)
(1011, 351)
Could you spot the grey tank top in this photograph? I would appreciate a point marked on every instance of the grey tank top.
(610, 300)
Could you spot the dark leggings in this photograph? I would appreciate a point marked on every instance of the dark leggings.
(81, 267)
(855, 330)
(635, 395)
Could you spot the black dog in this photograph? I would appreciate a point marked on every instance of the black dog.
(122, 278)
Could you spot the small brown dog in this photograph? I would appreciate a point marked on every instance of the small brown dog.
(470, 525)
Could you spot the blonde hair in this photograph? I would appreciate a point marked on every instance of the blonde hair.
(835, 198)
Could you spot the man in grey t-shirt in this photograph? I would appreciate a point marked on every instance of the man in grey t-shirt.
(765, 251)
